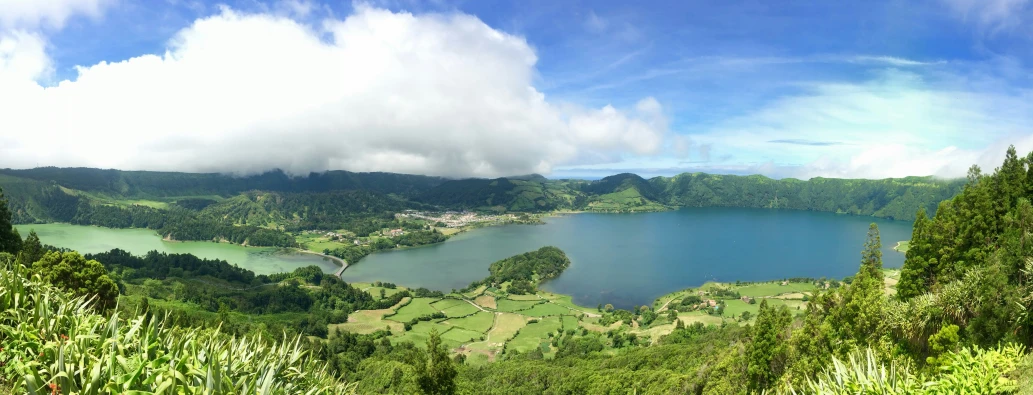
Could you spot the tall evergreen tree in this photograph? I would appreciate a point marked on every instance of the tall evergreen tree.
(10, 240)
(436, 375)
(917, 274)
(859, 317)
(32, 249)
(768, 350)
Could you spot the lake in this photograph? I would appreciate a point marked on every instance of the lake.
(631, 259)
(92, 239)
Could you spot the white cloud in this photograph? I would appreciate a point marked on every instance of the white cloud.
(896, 125)
(377, 91)
(31, 14)
(23, 57)
(992, 16)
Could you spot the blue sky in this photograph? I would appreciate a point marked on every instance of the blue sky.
(794, 89)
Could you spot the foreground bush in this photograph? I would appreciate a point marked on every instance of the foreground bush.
(968, 371)
(53, 343)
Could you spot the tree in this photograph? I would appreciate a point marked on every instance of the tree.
(81, 277)
(859, 317)
(767, 351)
(436, 373)
(917, 274)
(10, 240)
(32, 250)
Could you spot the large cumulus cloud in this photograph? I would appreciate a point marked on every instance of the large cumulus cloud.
(235, 92)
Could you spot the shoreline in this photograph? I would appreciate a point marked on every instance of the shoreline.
(339, 261)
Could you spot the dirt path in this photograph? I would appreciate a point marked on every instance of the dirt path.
(478, 307)
(664, 306)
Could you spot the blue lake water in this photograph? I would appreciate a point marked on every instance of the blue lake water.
(630, 259)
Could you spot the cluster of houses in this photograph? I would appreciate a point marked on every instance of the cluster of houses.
(394, 232)
(453, 219)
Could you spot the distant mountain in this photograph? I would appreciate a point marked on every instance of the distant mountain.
(54, 194)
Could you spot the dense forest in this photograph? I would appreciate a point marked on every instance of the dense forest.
(525, 271)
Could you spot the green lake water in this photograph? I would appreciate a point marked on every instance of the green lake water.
(92, 239)
(630, 259)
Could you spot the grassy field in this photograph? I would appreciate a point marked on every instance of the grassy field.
(523, 297)
(510, 306)
(480, 322)
(773, 288)
(369, 321)
(506, 326)
(486, 301)
(443, 304)
(462, 335)
(533, 335)
(476, 292)
(902, 246)
(699, 316)
(569, 322)
(461, 310)
(417, 308)
(568, 302)
(546, 309)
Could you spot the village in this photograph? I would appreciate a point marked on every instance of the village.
(456, 219)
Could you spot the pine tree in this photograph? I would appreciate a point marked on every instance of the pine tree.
(32, 250)
(10, 240)
(859, 317)
(767, 350)
(917, 274)
(436, 374)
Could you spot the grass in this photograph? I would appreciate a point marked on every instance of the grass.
(773, 288)
(523, 297)
(476, 292)
(369, 321)
(427, 326)
(486, 301)
(533, 335)
(417, 308)
(443, 304)
(546, 309)
(699, 316)
(461, 310)
(375, 291)
(480, 322)
(510, 306)
(506, 326)
(568, 302)
(902, 246)
(462, 335)
(569, 322)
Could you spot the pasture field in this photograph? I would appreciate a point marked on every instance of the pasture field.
(443, 304)
(773, 288)
(369, 321)
(476, 292)
(506, 326)
(480, 322)
(569, 322)
(375, 291)
(546, 309)
(417, 308)
(533, 335)
(462, 335)
(699, 316)
(510, 306)
(486, 301)
(461, 310)
(568, 302)
(523, 297)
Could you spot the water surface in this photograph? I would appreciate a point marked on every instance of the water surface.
(630, 259)
(93, 239)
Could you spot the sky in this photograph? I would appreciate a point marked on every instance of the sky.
(849, 89)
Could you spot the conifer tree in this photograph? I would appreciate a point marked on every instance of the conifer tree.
(436, 374)
(10, 240)
(767, 351)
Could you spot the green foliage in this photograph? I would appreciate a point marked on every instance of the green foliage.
(80, 277)
(435, 372)
(526, 270)
(51, 342)
(968, 371)
(767, 352)
(10, 240)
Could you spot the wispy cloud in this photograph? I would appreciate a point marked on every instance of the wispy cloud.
(993, 16)
(814, 143)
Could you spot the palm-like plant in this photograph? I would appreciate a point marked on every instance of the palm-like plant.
(53, 343)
